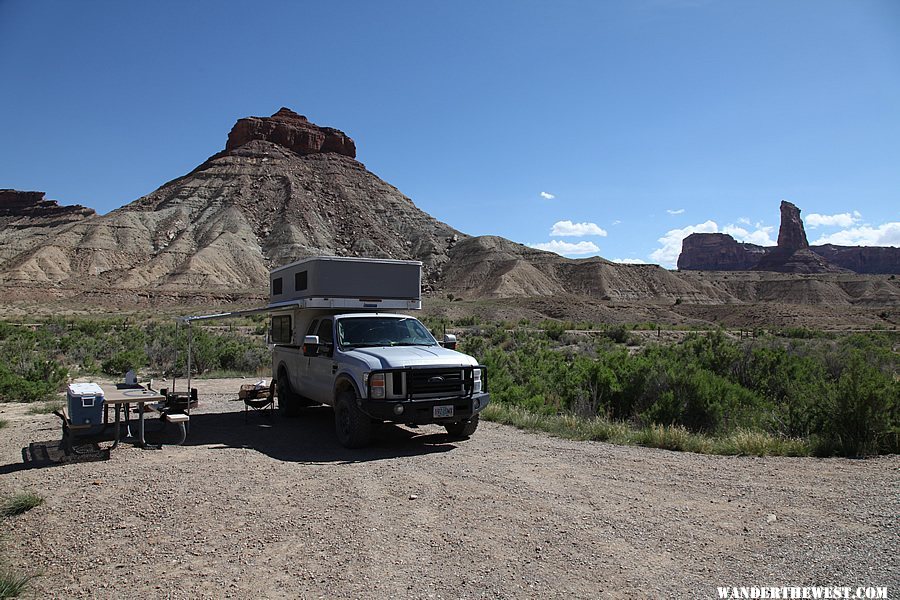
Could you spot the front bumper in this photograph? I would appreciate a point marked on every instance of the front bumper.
(421, 412)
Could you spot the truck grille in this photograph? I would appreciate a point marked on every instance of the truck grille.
(434, 381)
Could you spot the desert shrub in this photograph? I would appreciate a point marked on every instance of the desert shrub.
(553, 329)
(39, 380)
(619, 334)
(862, 414)
(469, 321)
(13, 583)
(20, 503)
(124, 361)
(695, 398)
(35, 362)
(753, 442)
(765, 395)
(802, 333)
(672, 437)
(45, 408)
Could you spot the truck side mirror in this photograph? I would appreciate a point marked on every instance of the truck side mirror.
(311, 345)
(449, 341)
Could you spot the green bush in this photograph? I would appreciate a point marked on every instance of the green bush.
(20, 503)
(12, 583)
(553, 329)
(862, 415)
(35, 385)
(35, 362)
(762, 395)
(122, 362)
(619, 334)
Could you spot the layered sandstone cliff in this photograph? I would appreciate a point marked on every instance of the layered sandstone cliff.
(292, 131)
(793, 254)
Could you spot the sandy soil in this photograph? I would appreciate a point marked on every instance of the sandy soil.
(276, 508)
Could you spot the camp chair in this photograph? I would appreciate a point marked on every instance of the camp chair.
(257, 398)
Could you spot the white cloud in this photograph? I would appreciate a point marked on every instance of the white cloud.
(814, 220)
(744, 221)
(762, 236)
(670, 244)
(567, 248)
(568, 228)
(629, 261)
(674, 212)
(616, 222)
(886, 234)
(547, 196)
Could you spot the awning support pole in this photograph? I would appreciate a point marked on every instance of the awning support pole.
(190, 345)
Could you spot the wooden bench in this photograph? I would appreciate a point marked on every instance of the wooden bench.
(68, 422)
(179, 419)
(71, 430)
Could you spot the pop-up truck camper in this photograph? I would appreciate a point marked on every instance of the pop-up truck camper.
(340, 337)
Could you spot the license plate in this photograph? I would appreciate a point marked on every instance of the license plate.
(441, 412)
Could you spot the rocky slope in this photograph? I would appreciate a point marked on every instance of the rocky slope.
(494, 267)
(793, 254)
(284, 188)
(28, 220)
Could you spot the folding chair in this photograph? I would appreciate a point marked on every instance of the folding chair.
(257, 398)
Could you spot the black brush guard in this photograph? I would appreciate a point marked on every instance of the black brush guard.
(415, 389)
(413, 409)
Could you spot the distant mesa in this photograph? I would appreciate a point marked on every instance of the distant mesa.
(285, 188)
(793, 254)
(292, 131)
(29, 209)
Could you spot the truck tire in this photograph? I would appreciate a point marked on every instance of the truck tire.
(463, 429)
(288, 401)
(353, 427)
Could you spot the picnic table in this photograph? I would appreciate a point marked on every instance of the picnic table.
(121, 397)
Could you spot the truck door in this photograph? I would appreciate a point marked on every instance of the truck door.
(322, 368)
(300, 367)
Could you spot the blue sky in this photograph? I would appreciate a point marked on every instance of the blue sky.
(593, 128)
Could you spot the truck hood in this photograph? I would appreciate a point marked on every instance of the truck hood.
(396, 357)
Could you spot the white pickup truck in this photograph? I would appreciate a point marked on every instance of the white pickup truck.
(337, 341)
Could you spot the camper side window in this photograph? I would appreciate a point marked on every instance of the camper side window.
(324, 333)
(276, 286)
(281, 329)
(300, 281)
(311, 330)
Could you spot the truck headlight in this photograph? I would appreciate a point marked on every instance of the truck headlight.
(476, 385)
(376, 385)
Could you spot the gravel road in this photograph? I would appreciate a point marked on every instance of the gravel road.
(275, 508)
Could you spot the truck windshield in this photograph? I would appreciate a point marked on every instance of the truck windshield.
(368, 332)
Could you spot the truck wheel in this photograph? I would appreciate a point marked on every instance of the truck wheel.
(353, 427)
(288, 402)
(462, 429)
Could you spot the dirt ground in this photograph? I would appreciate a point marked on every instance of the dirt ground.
(275, 508)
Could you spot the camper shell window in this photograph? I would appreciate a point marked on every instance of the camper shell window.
(281, 329)
(300, 281)
(276, 286)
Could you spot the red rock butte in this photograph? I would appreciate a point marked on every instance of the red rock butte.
(793, 254)
(292, 131)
